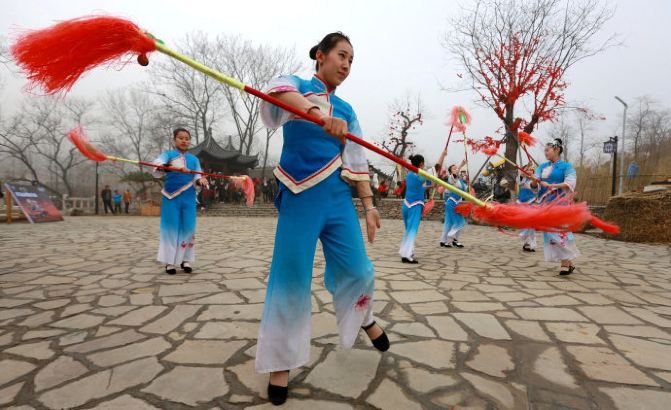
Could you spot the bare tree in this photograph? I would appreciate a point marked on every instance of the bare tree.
(38, 138)
(516, 54)
(406, 116)
(254, 65)
(191, 97)
(562, 129)
(638, 123)
(130, 114)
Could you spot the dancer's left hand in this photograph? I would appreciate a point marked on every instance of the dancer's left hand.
(204, 183)
(372, 224)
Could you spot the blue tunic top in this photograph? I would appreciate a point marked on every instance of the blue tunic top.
(176, 183)
(415, 187)
(309, 155)
(457, 182)
(555, 173)
(526, 194)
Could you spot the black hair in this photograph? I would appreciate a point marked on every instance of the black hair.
(327, 44)
(178, 130)
(416, 160)
(557, 143)
(450, 167)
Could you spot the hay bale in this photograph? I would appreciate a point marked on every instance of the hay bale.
(642, 217)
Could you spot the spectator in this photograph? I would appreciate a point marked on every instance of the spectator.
(117, 201)
(106, 196)
(382, 189)
(126, 199)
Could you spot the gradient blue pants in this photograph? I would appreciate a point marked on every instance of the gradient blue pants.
(454, 222)
(326, 213)
(412, 216)
(178, 229)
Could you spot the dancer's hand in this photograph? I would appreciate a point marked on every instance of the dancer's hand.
(203, 182)
(336, 127)
(372, 223)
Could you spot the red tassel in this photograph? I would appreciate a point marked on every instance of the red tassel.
(247, 185)
(526, 139)
(428, 207)
(54, 58)
(551, 217)
(79, 140)
(459, 118)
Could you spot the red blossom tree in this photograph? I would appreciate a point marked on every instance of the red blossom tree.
(516, 54)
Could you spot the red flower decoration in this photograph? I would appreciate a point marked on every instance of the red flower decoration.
(362, 303)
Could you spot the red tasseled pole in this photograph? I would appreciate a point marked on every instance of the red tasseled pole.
(54, 58)
(79, 140)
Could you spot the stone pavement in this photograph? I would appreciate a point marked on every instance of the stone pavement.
(88, 320)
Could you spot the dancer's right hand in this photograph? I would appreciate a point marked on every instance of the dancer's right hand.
(336, 127)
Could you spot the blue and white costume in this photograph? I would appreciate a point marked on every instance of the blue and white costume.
(527, 195)
(178, 208)
(314, 203)
(454, 223)
(413, 204)
(558, 246)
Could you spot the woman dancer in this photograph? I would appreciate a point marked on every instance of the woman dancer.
(413, 204)
(557, 179)
(315, 203)
(178, 207)
(454, 223)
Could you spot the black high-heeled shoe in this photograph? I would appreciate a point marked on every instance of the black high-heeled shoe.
(569, 270)
(381, 342)
(445, 245)
(170, 271)
(457, 244)
(527, 248)
(408, 260)
(277, 394)
(187, 269)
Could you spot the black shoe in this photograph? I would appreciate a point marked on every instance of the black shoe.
(568, 271)
(186, 269)
(406, 260)
(277, 394)
(527, 248)
(381, 342)
(457, 244)
(445, 245)
(170, 271)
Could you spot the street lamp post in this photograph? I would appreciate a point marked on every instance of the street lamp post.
(97, 195)
(624, 122)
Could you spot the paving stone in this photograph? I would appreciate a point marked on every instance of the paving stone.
(347, 373)
(609, 315)
(171, 321)
(204, 352)
(644, 353)
(483, 324)
(118, 339)
(429, 308)
(190, 385)
(150, 347)
(434, 353)
(139, 316)
(601, 363)
(477, 306)
(187, 289)
(41, 334)
(102, 384)
(569, 332)
(390, 395)
(424, 381)
(223, 298)
(8, 394)
(410, 296)
(232, 312)
(627, 398)
(492, 360)
(82, 321)
(550, 366)
(38, 350)
(300, 404)
(11, 369)
(60, 370)
(228, 330)
(52, 304)
(447, 328)
(549, 314)
(639, 331)
(125, 402)
(498, 392)
(529, 329)
(413, 329)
